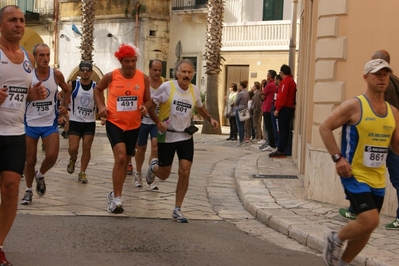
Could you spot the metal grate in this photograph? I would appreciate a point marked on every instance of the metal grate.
(275, 176)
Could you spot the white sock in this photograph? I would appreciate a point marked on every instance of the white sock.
(29, 189)
(336, 239)
(1, 247)
(38, 174)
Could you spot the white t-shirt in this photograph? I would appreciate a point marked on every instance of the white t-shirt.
(176, 108)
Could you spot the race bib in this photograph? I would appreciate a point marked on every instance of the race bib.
(42, 108)
(83, 112)
(126, 103)
(16, 97)
(374, 156)
(181, 108)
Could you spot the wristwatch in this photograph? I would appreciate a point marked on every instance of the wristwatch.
(335, 157)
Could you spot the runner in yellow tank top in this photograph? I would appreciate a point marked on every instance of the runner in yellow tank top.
(128, 99)
(369, 128)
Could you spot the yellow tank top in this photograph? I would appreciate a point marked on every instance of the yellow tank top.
(365, 145)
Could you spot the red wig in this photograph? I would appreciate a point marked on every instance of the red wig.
(126, 50)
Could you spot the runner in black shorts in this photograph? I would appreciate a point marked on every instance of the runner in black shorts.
(82, 120)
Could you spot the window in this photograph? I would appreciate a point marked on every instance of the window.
(273, 9)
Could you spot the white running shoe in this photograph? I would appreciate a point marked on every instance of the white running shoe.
(262, 141)
(138, 180)
(150, 176)
(115, 206)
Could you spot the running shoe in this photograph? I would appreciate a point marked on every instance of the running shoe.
(178, 216)
(82, 178)
(393, 226)
(150, 176)
(262, 141)
(115, 206)
(345, 213)
(27, 199)
(138, 180)
(3, 260)
(267, 148)
(332, 250)
(129, 170)
(154, 186)
(40, 185)
(110, 197)
(240, 144)
(71, 166)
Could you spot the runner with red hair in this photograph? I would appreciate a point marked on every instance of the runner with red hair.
(128, 100)
(126, 50)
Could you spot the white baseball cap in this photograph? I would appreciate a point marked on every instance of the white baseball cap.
(375, 65)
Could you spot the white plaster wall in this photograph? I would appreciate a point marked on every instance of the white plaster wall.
(104, 47)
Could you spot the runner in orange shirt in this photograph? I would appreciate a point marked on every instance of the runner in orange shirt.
(128, 100)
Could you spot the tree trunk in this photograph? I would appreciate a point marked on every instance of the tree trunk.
(212, 105)
(213, 59)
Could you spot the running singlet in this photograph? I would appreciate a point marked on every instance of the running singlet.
(125, 96)
(18, 78)
(43, 113)
(82, 103)
(176, 108)
(147, 119)
(365, 145)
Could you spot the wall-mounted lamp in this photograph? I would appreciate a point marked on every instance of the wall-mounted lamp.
(109, 35)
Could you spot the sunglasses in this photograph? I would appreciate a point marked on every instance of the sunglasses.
(85, 70)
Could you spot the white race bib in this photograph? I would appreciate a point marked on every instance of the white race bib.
(126, 103)
(180, 108)
(16, 97)
(374, 156)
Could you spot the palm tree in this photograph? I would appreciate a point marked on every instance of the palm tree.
(213, 60)
(87, 46)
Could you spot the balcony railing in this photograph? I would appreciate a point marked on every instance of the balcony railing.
(256, 36)
(188, 4)
(42, 7)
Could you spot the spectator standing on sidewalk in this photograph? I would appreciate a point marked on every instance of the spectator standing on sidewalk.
(230, 100)
(41, 121)
(391, 95)
(257, 111)
(368, 129)
(82, 120)
(248, 125)
(241, 103)
(148, 127)
(177, 100)
(128, 100)
(269, 91)
(285, 108)
(16, 90)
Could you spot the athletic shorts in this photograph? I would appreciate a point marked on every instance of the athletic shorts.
(166, 151)
(37, 132)
(81, 128)
(12, 153)
(116, 135)
(145, 130)
(361, 196)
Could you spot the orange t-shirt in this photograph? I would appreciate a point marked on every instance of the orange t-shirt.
(125, 96)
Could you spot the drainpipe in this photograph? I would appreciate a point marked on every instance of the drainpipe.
(55, 40)
(136, 41)
(292, 52)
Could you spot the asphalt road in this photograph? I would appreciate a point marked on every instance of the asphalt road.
(80, 240)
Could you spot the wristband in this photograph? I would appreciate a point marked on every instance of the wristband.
(335, 157)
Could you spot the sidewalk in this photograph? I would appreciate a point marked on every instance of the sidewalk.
(281, 204)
